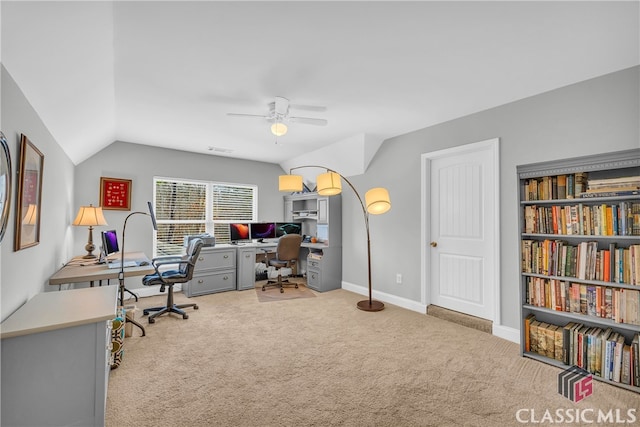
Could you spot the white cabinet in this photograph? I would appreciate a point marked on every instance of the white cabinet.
(55, 358)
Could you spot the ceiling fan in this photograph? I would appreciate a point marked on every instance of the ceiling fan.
(278, 115)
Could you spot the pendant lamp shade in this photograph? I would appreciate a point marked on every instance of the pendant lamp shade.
(329, 184)
(377, 200)
(290, 183)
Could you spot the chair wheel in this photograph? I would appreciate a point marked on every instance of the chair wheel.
(185, 316)
(296, 286)
(151, 320)
(281, 290)
(263, 288)
(195, 307)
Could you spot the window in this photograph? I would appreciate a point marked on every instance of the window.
(184, 207)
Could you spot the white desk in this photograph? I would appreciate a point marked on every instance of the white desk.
(55, 358)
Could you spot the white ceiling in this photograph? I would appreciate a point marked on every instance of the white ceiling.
(166, 73)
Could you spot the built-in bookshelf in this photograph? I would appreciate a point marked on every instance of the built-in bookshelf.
(580, 264)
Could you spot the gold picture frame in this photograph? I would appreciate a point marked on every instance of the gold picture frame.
(115, 193)
(29, 195)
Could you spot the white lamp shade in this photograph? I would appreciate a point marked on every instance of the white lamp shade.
(290, 183)
(377, 200)
(278, 129)
(31, 216)
(90, 215)
(329, 184)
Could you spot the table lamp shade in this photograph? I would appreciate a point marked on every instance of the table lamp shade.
(31, 216)
(90, 215)
(377, 200)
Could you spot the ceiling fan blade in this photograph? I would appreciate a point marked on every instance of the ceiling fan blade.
(315, 108)
(308, 121)
(281, 106)
(260, 116)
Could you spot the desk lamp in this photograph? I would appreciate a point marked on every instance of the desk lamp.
(329, 184)
(91, 216)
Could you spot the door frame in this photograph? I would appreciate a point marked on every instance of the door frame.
(425, 231)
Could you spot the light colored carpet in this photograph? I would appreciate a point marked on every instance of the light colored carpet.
(322, 362)
(273, 293)
(461, 318)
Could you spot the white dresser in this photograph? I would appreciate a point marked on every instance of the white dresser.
(55, 358)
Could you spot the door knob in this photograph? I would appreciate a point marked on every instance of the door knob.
(434, 244)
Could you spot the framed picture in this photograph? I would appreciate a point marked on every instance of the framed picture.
(115, 193)
(5, 184)
(29, 195)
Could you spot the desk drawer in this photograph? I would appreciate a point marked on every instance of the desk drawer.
(314, 278)
(216, 259)
(202, 284)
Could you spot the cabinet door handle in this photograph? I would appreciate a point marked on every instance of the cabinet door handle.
(200, 281)
(200, 258)
(225, 256)
(247, 256)
(434, 244)
(225, 278)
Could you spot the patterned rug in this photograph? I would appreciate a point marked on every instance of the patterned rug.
(273, 293)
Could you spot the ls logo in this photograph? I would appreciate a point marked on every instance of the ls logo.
(575, 384)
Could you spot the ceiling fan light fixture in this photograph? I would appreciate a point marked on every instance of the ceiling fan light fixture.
(278, 129)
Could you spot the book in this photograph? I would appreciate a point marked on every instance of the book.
(562, 186)
(533, 334)
(625, 369)
(567, 332)
(527, 331)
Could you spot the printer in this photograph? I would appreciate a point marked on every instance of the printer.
(207, 239)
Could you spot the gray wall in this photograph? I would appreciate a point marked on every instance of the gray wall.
(595, 116)
(26, 272)
(141, 163)
(591, 117)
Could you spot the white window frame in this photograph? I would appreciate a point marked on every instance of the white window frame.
(208, 222)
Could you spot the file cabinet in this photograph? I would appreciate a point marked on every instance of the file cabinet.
(215, 272)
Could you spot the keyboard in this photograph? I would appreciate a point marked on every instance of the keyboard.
(116, 264)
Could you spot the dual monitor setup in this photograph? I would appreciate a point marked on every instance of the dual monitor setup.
(261, 231)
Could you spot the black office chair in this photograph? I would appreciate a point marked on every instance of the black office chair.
(182, 273)
(287, 253)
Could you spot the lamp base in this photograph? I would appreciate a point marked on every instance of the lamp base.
(365, 305)
(89, 256)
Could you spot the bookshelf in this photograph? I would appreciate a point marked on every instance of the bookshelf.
(579, 222)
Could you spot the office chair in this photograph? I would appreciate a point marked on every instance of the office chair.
(287, 253)
(182, 273)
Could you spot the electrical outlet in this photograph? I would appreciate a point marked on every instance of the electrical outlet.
(398, 278)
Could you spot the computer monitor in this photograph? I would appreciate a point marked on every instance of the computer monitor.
(110, 242)
(263, 230)
(283, 228)
(239, 231)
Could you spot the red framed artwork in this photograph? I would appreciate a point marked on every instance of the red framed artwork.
(115, 193)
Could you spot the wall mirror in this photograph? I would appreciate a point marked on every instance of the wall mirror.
(5, 184)
(29, 195)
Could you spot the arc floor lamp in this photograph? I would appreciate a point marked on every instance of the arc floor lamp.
(329, 184)
(123, 289)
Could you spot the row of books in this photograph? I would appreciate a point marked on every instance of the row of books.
(583, 261)
(569, 186)
(616, 219)
(601, 352)
(620, 305)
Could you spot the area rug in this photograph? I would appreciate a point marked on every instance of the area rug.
(273, 294)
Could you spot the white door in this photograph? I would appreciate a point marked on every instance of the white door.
(460, 201)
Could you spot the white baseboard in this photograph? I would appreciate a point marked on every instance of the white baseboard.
(500, 331)
(384, 297)
(507, 333)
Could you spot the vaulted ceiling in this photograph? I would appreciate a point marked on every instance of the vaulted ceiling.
(166, 73)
